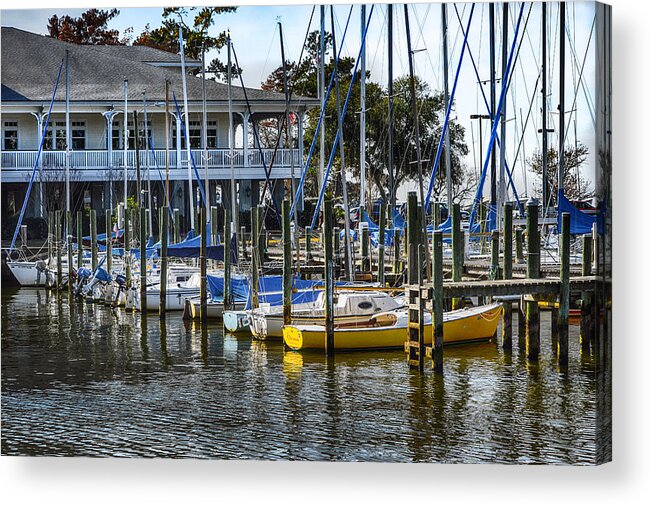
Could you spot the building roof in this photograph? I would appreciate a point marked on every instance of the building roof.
(144, 54)
(30, 63)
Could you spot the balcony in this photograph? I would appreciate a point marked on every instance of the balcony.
(94, 164)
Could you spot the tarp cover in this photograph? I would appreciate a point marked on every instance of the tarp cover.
(580, 222)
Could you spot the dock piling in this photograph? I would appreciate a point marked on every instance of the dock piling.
(507, 273)
(533, 272)
(93, 238)
(308, 242)
(287, 261)
(80, 239)
(586, 332)
(108, 217)
(176, 226)
(143, 260)
(69, 243)
(164, 231)
(437, 301)
(564, 298)
(228, 256)
(519, 252)
(255, 259)
(126, 256)
(380, 256)
(457, 251)
(329, 279)
(57, 246)
(203, 264)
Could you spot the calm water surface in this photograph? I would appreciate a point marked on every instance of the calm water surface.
(91, 381)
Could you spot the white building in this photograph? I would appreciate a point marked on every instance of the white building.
(30, 63)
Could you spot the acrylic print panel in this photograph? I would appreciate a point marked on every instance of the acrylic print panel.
(351, 233)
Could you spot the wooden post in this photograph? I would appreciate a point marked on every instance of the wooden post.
(396, 251)
(254, 257)
(287, 261)
(457, 259)
(57, 246)
(519, 253)
(533, 272)
(50, 233)
(69, 242)
(143, 260)
(214, 230)
(495, 255)
(258, 239)
(437, 301)
(126, 256)
(203, 264)
(109, 240)
(329, 278)
(587, 321)
(507, 272)
(164, 230)
(228, 256)
(437, 215)
(176, 237)
(564, 299)
(93, 238)
(336, 255)
(364, 244)
(308, 243)
(243, 240)
(380, 256)
(80, 239)
(412, 238)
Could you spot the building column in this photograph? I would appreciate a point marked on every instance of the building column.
(109, 115)
(301, 147)
(246, 193)
(39, 195)
(245, 139)
(178, 140)
(278, 192)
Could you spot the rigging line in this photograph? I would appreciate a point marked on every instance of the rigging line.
(586, 92)
(187, 139)
(343, 115)
(526, 122)
(266, 61)
(435, 165)
(38, 155)
(283, 124)
(472, 59)
(320, 121)
(256, 136)
(505, 79)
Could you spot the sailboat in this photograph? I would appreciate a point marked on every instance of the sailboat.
(389, 330)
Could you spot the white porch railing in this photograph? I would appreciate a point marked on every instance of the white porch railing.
(99, 159)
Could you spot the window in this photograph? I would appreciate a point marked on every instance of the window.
(195, 135)
(10, 136)
(141, 133)
(115, 141)
(78, 134)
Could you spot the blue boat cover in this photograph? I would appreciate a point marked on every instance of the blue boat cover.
(580, 222)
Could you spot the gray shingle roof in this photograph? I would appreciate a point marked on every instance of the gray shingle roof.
(30, 63)
(142, 54)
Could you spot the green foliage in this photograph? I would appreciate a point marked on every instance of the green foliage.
(89, 28)
(195, 34)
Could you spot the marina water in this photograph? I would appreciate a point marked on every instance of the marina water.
(88, 380)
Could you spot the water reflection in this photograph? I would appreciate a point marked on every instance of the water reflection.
(95, 381)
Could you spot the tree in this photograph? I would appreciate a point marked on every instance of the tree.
(89, 28)
(195, 35)
(303, 81)
(575, 186)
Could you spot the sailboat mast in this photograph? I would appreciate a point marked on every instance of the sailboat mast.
(446, 95)
(561, 102)
(125, 141)
(347, 245)
(186, 113)
(392, 189)
(491, 22)
(419, 160)
(144, 108)
(68, 137)
(167, 143)
(545, 189)
(290, 142)
(231, 142)
(322, 98)
(505, 49)
(204, 127)
(362, 115)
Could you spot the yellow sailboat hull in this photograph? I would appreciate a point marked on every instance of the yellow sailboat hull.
(464, 325)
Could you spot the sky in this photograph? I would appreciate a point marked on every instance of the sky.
(255, 37)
